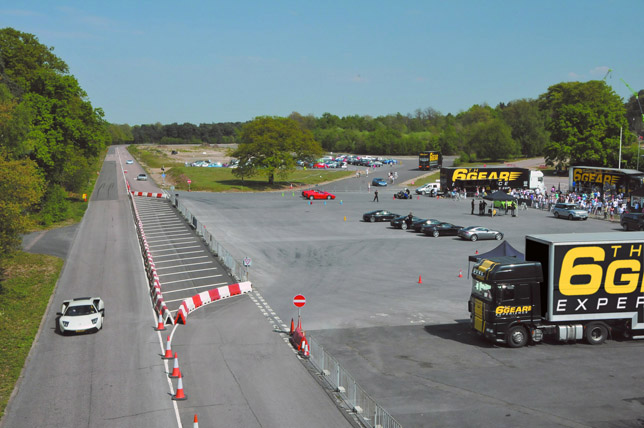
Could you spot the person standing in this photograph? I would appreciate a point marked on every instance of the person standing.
(375, 196)
(472, 206)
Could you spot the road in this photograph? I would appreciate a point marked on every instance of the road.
(409, 343)
(237, 371)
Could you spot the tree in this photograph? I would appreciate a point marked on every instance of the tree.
(528, 125)
(584, 121)
(493, 140)
(65, 133)
(271, 146)
(21, 187)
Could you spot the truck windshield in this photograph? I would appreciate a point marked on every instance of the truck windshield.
(481, 289)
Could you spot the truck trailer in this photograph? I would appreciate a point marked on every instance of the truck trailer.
(569, 287)
(430, 160)
(491, 178)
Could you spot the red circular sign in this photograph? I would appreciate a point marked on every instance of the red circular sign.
(189, 181)
(299, 300)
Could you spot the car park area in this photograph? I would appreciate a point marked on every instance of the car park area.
(391, 306)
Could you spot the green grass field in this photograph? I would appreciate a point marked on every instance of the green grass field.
(222, 179)
(27, 283)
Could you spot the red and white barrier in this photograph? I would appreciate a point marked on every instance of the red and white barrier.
(148, 194)
(210, 296)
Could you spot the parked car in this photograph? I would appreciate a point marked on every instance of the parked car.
(142, 177)
(379, 182)
(317, 194)
(441, 229)
(379, 215)
(402, 222)
(417, 226)
(81, 315)
(569, 211)
(129, 161)
(429, 189)
(320, 165)
(474, 233)
(632, 221)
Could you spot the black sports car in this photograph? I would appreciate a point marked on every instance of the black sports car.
(379, 215)
(417, 226)
(441, 229)
(402, 222)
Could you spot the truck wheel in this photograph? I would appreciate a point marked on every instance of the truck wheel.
(596, 333)
(517, 337)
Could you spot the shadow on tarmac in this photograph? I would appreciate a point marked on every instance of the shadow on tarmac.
(460, 332)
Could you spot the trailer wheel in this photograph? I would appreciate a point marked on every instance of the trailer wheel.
(517, 337)
(596, 333)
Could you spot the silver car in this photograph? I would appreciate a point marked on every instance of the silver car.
(474, 233)
(569, 211)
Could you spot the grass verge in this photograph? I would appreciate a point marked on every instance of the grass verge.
(222, 179)
(26, 285)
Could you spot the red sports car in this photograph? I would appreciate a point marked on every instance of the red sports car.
(317, 194)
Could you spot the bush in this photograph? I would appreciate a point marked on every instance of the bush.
(55, 205)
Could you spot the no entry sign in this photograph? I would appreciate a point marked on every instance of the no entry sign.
(299, 300)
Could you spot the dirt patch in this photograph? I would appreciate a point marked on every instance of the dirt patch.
(187, 153)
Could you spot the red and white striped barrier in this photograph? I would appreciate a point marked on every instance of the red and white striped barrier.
(148, 194)
(210, 296)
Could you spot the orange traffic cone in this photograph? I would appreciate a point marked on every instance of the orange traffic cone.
(168, 350)
(460, 273)
(175, 369)
(292, 328)
(476, 252)
(305, 349)
(302, 344)
(196, 423)
(160, 326)
(180, 395)
(420, 279)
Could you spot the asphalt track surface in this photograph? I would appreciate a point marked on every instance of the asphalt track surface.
(237, 371)
(407, 344)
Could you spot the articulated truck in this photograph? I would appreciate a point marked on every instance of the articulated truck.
(569, 287)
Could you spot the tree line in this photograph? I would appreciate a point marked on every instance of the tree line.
(51, 138)
(571, 123)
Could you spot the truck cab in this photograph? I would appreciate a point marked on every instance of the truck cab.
(506, 299)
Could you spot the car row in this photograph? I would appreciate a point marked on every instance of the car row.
(431, 227)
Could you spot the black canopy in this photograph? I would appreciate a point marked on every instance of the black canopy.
(499, 195)
(504, 249)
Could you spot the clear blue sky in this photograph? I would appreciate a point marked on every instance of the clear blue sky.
(213, 61)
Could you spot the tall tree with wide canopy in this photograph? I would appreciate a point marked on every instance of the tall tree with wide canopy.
(584, 121)
(271, 146)
(66, 134)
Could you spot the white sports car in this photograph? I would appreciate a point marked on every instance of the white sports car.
(81, 315)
